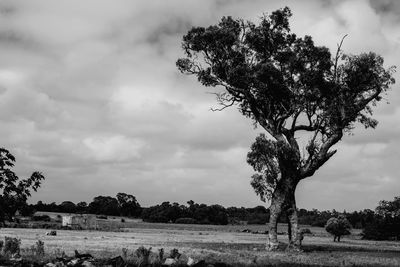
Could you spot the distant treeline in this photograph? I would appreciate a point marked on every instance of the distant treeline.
(379, 224)
(121, 205)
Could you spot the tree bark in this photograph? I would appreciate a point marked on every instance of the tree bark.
(294, 240)
(283, 201)
(275, 209)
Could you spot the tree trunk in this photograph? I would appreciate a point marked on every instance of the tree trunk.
(283, 201)
(294, 240)
(275, 209)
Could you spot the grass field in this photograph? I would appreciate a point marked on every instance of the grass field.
(218, 243)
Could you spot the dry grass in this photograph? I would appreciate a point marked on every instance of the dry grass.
(216, 243)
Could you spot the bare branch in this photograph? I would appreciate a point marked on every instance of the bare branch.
(338, 52)
(224, 106)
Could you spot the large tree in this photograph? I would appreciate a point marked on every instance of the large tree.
(292, 88)
(14, 192)
(128, 205)
(104, 205)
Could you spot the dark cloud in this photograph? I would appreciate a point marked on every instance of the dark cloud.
(385, 6)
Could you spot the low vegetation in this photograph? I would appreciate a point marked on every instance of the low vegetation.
(204, 244)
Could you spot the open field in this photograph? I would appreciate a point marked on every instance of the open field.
(224, 243)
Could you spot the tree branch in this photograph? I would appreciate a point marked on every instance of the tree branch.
(337, 58)
(323, 155)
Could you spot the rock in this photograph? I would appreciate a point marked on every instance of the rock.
(15, 257)
(52, 233)
(169, 261)
(50, 265)
(190, 261)
(88, 264)
(73, 262)
(83, 256)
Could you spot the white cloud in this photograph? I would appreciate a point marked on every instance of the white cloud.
(10, 78)
(113, 148)
(90, 95)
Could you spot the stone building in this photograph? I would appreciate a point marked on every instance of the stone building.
(83, 221)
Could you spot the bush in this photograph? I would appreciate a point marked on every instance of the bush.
(338, 227)
(257, 218)
(305, 231)
(37, 250)
(319, 223)
(11, 246)
(58, 218)
(186, 221)
(382, 229)
(44, 218)
(174, 254)
(143, 255)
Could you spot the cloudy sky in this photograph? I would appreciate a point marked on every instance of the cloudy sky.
(90, 96)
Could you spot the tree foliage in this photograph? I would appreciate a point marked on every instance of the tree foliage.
(195, 213)
(385, 225)
(128, 205)
(104, 205)
(389, 208)
(285, 84)
(14, 191)
(338, 226)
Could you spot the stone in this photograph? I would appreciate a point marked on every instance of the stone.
(169, 261)
(87, 264)
(190, 261)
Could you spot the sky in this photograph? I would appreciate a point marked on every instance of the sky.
(90, 96)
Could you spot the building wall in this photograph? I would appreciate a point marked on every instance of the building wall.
(66, 220)
(79, 221)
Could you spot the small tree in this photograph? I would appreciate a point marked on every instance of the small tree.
(287, 85)
(14, 192)
(338, 226)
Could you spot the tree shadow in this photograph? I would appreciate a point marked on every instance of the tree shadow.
(348, 248)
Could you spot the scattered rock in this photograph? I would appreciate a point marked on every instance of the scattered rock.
(83, 256)
(169, 261)
(190, 261)
(52, 233)
(89, 264)
(16, 257)
(73, 262)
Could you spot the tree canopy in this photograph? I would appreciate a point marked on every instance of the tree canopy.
(285, 84)
(128, 205)
(338, 226)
